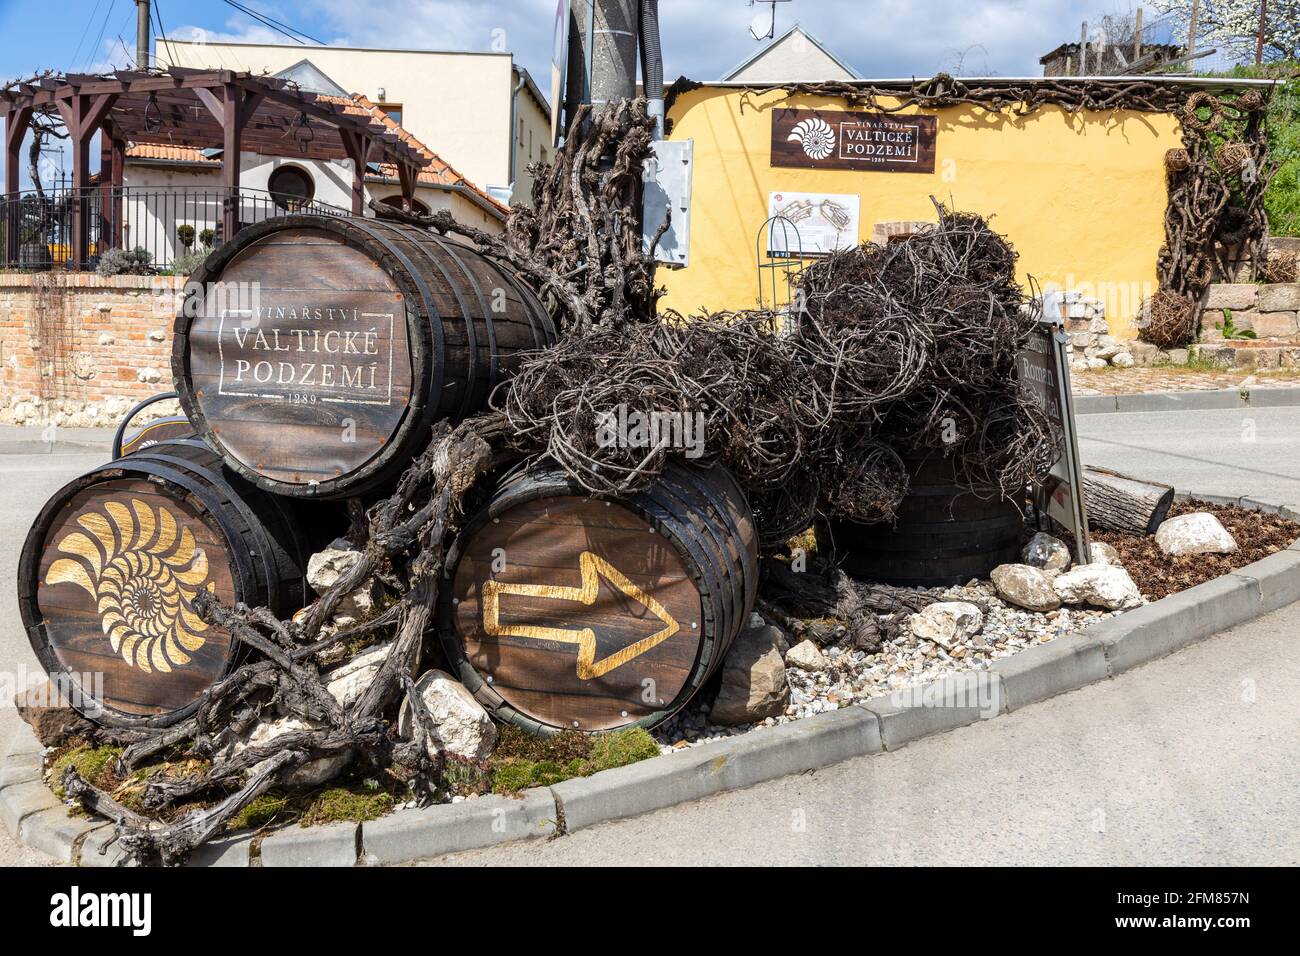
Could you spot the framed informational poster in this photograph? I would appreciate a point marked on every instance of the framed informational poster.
(824, 222)
(1043, 368)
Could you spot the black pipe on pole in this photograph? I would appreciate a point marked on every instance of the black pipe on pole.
(652, 63)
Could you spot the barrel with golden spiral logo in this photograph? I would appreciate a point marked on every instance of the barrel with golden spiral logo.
(111, 568)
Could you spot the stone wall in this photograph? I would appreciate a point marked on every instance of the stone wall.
(1270, 311)
(80, 350)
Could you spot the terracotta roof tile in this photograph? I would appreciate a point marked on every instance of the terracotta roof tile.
(437, 173)
(174, 154)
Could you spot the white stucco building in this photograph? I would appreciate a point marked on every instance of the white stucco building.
(482, 111)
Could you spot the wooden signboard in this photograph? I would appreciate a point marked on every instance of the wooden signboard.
(308, 379)
(590, 609)
(869, 142)
(118, 569)
(1043, 368)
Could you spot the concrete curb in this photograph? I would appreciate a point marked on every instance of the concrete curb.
(1203, 400)
(1104, 651)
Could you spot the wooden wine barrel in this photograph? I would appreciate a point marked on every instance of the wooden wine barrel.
(945, 535)
(109, 570)
(156, 432)
(129, 439)
(562, 610)
(315, 352)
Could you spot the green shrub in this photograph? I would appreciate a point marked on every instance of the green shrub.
(117, 262)
(185, 234)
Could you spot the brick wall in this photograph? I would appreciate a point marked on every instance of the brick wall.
(79, 349)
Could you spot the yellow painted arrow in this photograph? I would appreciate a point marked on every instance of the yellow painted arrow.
(593, 568)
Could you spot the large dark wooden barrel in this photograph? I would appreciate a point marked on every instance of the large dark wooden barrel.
(114, 559)
(315, 352)
(562, 610)
(945, 535)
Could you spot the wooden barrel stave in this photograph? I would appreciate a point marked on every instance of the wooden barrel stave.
(131, 559)
(440, 324)
(944, 535)
(691, 565)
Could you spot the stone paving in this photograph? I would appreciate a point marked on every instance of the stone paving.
(1133, 381)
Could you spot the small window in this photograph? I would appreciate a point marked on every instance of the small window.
(416, 205)
(394, 111)
(291, 188)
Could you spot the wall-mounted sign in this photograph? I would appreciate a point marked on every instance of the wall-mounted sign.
(815, 223)
(1043, 368)
(872, 142)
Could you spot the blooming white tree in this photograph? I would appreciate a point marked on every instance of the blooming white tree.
(1233, 25)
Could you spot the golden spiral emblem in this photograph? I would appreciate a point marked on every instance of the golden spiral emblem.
(142, 570)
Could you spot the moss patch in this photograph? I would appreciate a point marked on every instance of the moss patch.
(339, 804)
(260, 811)
(95, 765)
(522, 761)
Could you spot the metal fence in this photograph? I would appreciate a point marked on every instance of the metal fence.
(163, 227)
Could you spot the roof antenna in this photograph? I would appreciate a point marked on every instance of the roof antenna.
(763, 26)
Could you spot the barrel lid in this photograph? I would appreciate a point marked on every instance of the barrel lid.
(574, 612)
(106, 586)
(296, 359)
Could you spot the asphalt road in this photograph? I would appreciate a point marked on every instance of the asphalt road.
(1232, 452)
(30, 472)
(1191, 760)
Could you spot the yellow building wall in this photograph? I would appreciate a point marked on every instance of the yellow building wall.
(1081, 197)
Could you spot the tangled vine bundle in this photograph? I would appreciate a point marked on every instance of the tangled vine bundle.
(907, 348)
(1168, 320)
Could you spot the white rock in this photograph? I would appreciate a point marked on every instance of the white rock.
(1199, 533)
(325, 568)
(948, 622)
(150, 376)
(1123, 360)
(311, 774)
(1046, 552)
(753, 685)
(1103, 553)
(806, 656)
(1108, 347)
(347, 682)
(1096, 363)
(1025, 586)
(1100, 585)
(461, 725)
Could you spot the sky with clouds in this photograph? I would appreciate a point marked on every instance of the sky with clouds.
(702, 39)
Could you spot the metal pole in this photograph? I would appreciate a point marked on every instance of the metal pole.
(1083, 49)
(1137, 35)
(615, 45)
(142, 60)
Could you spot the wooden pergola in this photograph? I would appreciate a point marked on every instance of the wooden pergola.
(205, 109)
